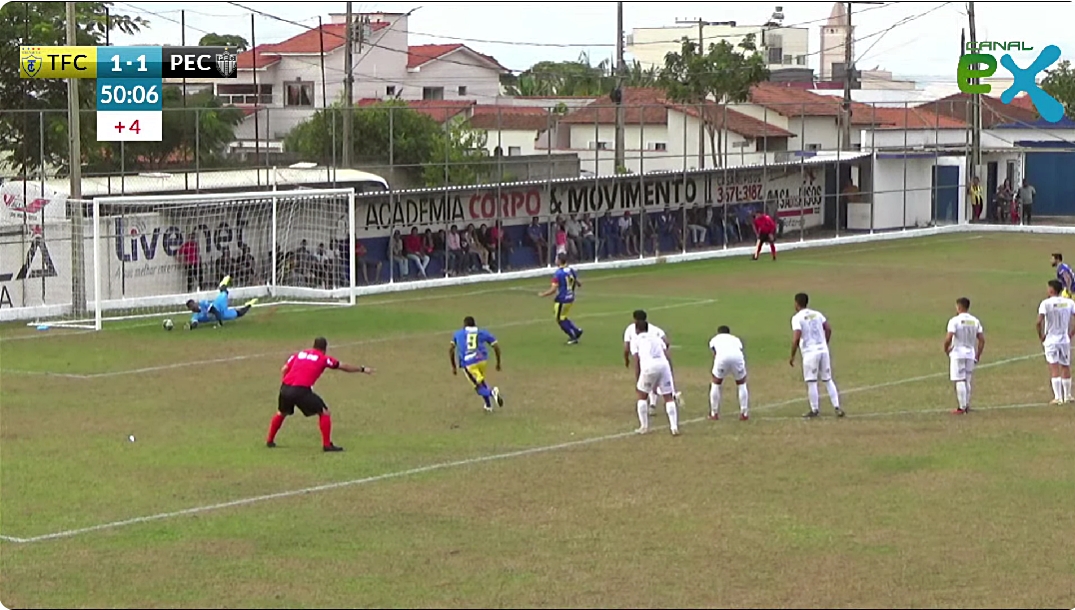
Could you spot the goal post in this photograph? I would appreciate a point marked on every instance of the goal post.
(150, 254)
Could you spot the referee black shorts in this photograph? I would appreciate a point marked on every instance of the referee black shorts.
(765, 238)
(307, 401)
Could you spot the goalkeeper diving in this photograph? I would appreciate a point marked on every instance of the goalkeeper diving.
(217, 310)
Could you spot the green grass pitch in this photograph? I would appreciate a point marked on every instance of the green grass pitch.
(551, 501)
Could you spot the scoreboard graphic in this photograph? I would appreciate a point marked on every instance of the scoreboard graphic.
(130, 80)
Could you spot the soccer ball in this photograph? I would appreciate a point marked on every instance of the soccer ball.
(168, 324)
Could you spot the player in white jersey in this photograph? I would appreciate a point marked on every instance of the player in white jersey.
(810, 335)
(653, 370)
(1055, 331)
(628, 334)
(963, 344)
(728, 361)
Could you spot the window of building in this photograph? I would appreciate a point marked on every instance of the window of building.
(598, 145)
(432, 93)
(788, 60)
(800, 60)
(776, 54)
(244, 94)
(659, 146)
(299, 94)
(390, 90)
(813, 147)
(462, 90)
(514, 151)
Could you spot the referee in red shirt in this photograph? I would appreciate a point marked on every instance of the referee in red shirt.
(300, 373)
(765, 229)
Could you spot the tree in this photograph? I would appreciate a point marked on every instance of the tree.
(462, 150)
(577, 78)
(1059, 82)
(413, 141)
(722, 74)
(204, 124)
(33, 106)
(224, 40)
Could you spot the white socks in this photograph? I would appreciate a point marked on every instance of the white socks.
(654, 398)
(643, 414)
(811, 392)
(673, 416)
(714, 399)
(1058, 388)
(961, 395)
(744, 400)
(1066, 383)
(834, 396)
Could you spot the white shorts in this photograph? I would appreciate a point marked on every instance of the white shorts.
(736, 368)
(816, 367)
(961, 367)
(1059, 353)
(657, 380)
(561, 249)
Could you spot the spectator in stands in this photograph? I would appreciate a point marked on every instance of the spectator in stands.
(500, 246)
(245, 267)
(696, 225)
(396, 255)
(1004, 202)
(304, 260)
(651, 232)
(608, 237)
(1026, 200)
(628, 234)
(224, 264)
(323, 266)
(477, 250)
(561, 239)
(535, 235)
(574, 236)
(433, 245)
(455, 257)
(363, 261)
(192, 261)
(974, 194)
(670, 227)
(412, 249)
(589, 240)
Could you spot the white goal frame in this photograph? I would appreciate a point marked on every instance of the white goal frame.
(121, 309)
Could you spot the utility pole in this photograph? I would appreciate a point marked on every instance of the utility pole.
(348, 89)
(976, 108)
(75, 209)
(846, 108)
(621, 112)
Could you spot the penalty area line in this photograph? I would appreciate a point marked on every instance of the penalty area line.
(443, 466)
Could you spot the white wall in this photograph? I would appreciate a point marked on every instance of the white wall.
(462, 69)
(649, 46)
(873, 139)
(506, 139)
(902, 199)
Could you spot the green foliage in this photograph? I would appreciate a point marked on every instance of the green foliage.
(723, 73)
(580, 77)
(462, 151)
(204, 124)
(1060, 83)
(44, 24)
(224, 40)
(391, 132)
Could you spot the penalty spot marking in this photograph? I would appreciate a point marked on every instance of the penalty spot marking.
(474, 461)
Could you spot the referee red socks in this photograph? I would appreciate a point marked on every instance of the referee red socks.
(274, 427)
(324, 421)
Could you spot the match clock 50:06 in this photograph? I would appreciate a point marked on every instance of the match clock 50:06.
(129, 109)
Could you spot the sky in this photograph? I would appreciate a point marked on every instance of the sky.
(520, 34)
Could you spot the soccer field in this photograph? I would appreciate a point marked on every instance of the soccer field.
(552, 501)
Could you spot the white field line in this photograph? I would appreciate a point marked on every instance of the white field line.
(177, 365)
(838, 250)
(478, 460)
(883, 414)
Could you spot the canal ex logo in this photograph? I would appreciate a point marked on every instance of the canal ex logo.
(1025, 78)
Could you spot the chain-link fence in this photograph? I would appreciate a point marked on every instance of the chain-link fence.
(477, 189)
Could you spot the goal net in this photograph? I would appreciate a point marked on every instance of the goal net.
(144, 257)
